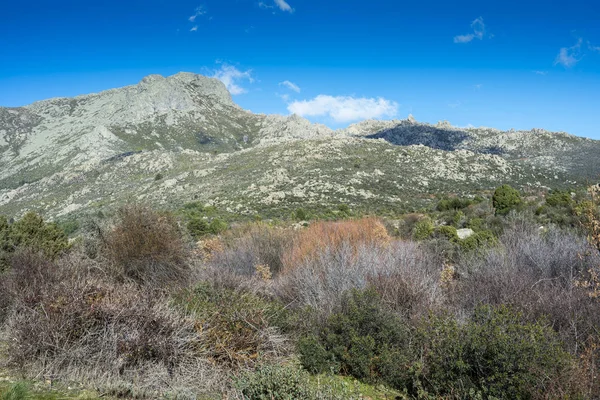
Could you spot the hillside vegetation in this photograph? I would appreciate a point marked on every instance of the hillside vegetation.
(484, 298)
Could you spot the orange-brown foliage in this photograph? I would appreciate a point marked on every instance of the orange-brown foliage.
(323, 234)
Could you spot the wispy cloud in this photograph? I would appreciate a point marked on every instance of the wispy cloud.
(231, 76)
(344, 108)
(200, 10)
(284, 6)
(290, 85)
(540, 72)
(264, 5)
(194, 28)
(593, 48)
(284, 97)
(478, 32)
(569, 56)
(478, 86)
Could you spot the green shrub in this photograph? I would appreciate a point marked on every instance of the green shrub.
(455, 203)
(344, 210)
(505, 199)
(158, 177)
(448, 232)
(495, 354)
(33, 233)
(559, 198)
(301, 215)
(217, 226)
(479, 240)
(423, 229)
(274, 382)
(361, 340)
(477, 224)
(198, 227)
(458, 218)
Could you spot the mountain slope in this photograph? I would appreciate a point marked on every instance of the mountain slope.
(172, 140)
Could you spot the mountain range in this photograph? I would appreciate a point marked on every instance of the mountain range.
(172, 140)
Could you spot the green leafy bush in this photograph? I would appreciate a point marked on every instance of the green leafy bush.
(559, 198)
(217, 226)
(479, 240)
(494, 355)
(197, 227)
(505, 199)
(31, 232)
(455, 203)
(360, 340)
(477, 224)
(448, 232)
(423, 229)
(273, 382)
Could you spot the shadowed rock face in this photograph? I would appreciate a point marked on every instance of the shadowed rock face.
(64, 155)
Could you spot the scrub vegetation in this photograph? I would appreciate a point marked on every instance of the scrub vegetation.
(474, 298)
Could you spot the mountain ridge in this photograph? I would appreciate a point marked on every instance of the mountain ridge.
(186, 128)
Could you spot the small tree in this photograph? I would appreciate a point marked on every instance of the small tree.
(505, 199)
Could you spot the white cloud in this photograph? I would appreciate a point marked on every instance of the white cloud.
(290, 85)
(230, 76)
(197, 12)
(541, 72)
(264, 5)
(283, 5)
(194, 28)
(478, 32)
(569, 56)
(344, 108)
(593, 48)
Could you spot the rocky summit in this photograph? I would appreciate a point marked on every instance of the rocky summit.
(169, 141)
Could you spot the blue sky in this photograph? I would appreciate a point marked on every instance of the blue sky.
(505, 64)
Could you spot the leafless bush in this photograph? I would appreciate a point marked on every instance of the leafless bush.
(536, 272)
(71, 320)
(405, 276)
(146, 247)
(252, 245)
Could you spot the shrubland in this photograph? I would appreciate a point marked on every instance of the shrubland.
(476, 298)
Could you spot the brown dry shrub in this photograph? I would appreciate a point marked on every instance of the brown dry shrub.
(331, 235)
(67, 320)
(147, 247)
(250, 245)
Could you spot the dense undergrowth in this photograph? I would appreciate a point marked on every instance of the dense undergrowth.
(477, 299)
